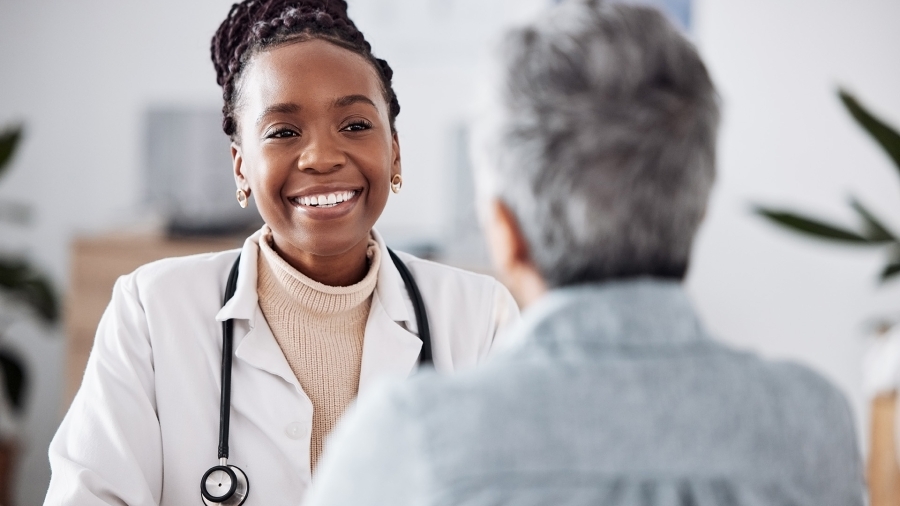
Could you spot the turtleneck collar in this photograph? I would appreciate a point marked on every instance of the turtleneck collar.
(311, 295)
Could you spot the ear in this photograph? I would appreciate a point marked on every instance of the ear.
(395, 154)
(510, 254)
(237, 163)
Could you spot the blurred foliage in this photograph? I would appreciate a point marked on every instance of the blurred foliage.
(15, 378)
(871, 231)
(8, 142)
(22, 283)
(29, 286)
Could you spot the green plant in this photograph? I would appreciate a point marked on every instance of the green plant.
(871, 231)
(20, 283)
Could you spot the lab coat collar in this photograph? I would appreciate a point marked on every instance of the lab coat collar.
(389, 288)
(390, 347)
(245, 301)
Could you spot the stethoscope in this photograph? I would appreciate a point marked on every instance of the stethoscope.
(227, 485)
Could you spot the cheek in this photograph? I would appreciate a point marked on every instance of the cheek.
(264, 170)
(378, 164)
(377, 170)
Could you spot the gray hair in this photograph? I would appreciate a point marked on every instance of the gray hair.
(603, 143)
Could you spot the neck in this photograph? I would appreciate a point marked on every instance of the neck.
(343, 269)
(528, 286)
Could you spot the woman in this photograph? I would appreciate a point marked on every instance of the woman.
(319, 312)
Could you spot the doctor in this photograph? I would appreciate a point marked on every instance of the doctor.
(319, 311)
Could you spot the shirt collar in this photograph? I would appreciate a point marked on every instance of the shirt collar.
(637, 312)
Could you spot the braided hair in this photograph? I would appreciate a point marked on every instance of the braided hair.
(255, 25)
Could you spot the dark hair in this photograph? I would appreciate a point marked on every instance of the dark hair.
(254, 25)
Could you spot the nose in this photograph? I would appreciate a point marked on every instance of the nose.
(321, 154)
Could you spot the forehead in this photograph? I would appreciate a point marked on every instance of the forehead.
(308, 72)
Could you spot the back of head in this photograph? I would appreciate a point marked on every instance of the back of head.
(603, 145)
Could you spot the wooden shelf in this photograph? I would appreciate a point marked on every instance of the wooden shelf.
(96, 264)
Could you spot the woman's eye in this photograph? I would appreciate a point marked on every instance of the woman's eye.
(357, 126)
(282, 133)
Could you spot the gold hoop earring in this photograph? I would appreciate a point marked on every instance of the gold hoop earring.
(396, 183)
(242, 198)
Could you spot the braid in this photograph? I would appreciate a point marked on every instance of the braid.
(255, 25)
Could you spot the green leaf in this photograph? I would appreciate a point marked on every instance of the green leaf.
(875, 231)
(890, 270)
(810, 226)
(885, 135)
(15, 377)
(8, 142)
(30, 287)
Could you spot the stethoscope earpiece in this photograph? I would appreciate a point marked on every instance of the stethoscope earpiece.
(224, 485)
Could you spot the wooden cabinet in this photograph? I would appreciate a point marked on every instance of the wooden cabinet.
(883, 470)
(96, 263)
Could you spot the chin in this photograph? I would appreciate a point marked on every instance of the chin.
(329, 240)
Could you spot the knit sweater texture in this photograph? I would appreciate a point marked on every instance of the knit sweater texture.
(320, 330)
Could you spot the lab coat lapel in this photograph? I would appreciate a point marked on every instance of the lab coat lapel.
(390, 346)
(389, 350)
(260, 349)
(253, 339)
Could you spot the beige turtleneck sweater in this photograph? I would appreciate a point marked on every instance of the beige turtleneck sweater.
(320, 329)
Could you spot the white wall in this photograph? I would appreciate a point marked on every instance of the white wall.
(81, 73)
(787, 141)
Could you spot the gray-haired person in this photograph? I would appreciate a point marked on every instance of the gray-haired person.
(599, 163)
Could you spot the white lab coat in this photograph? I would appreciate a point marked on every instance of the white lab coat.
(144, 426)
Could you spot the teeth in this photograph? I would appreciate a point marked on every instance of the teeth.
(326, 200)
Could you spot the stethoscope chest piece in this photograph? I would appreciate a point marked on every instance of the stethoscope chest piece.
(224, 485)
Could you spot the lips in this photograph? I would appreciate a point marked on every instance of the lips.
(324, 199)
(326, 202)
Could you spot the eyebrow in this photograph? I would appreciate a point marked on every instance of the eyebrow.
(283, 108)
(291, 108)
(352, 99)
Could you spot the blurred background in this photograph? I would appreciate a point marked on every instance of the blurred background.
(121, 142)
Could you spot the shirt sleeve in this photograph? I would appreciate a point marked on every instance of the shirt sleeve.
(375, 456)
(108, 448)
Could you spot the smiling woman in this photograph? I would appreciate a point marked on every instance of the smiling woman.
(312, 123)
(317, 307)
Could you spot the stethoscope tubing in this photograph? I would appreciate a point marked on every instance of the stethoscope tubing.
(227, 340)
(418, 308)
(425, 357)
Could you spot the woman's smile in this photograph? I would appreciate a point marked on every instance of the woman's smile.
(324, 204)
(323, 200)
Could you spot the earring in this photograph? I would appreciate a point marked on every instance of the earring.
(242, 198)
(396, 183)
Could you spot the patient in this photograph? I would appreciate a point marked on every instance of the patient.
(599, 162)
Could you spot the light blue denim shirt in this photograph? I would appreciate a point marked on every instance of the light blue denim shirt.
(614, 396)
